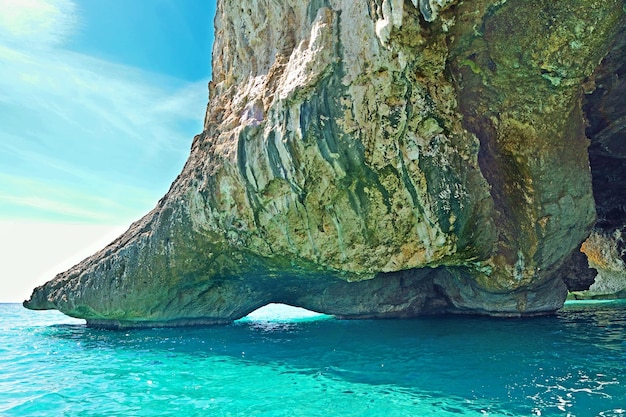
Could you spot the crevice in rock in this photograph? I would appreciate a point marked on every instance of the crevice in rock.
(604, 105)
(605, 110)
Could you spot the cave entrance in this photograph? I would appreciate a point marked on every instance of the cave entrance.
(605, 112)
(278, 312)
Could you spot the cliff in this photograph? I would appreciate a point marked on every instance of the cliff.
(369, 159)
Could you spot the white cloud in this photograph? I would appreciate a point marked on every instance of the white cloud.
(81, 139)
(37, 23)
(83, 91)
(50, 200)
(106, 129)
(102, 126)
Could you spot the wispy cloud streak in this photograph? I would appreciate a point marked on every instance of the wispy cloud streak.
(98, 129)
(37, 23)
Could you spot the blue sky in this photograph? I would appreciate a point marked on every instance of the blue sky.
(99, 102)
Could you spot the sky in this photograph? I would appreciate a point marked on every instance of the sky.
(99, 103)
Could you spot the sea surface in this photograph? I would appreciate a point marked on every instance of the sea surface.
(280, 362)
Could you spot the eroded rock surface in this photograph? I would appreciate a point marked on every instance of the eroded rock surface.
(604, 105)
(605, 253)
(368, 159)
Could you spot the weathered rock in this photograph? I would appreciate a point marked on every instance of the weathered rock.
(521, 96)
(605, 109)
(605, 254)
(368, 159)
(576, 272)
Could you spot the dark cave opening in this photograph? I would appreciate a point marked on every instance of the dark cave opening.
(605, 110)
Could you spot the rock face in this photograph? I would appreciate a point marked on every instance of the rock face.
(605, 254)
(368, 159)
(605, 108)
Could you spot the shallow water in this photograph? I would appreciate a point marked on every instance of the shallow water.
(270, 365)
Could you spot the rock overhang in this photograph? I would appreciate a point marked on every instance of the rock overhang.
(414, 163)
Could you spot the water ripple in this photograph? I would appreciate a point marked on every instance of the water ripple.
(571, 364)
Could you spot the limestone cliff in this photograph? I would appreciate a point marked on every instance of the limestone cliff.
(368, 159)
(604, 104)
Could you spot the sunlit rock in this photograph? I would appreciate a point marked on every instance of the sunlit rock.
(605, 254)
(367, 160)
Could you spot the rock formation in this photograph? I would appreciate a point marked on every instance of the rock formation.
(369, 159)
(604, 104)
(605, 253)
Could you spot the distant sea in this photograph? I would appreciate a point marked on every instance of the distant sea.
(284, 362)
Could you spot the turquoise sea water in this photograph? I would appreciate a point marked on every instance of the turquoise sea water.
(571, 364)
